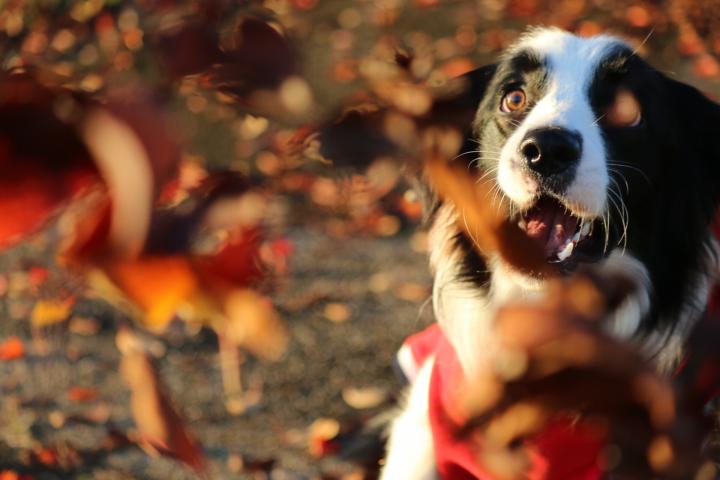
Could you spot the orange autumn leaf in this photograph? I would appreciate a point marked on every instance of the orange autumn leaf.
(253, 323)
(162, 428)
(13, 475)
(157, 285)
(483, 219)
(12, 348)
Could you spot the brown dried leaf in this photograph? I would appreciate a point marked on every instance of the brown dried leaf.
(484, 220)
(253, 324)
(162, 428)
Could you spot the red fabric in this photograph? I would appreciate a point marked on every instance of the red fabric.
(562, 451)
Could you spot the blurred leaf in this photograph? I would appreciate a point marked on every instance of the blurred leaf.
(162, 429)
(51, 311)
(157, 285)
(484, 221)
(43, 162)
(258, 58)
(237, 262)
(174, 229)
(12, 348)
(253, 324)
(197, 40)
(82, 394)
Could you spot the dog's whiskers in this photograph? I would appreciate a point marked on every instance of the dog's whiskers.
(630, 167)
(617, 201)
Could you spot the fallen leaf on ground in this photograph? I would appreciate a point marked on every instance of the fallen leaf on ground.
(12, 348)
(50, 312)
(362, 398)
(321, 434)
(82, 394)
(337, 312)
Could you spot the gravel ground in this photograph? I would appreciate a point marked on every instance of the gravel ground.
(382, 281)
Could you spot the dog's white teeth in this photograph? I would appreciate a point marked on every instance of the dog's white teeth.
(522, 224)
(576, 237)
(566, 252)
(585, 229)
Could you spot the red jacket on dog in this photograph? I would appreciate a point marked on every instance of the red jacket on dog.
(562, 451)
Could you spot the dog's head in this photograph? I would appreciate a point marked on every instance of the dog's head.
(597, 152)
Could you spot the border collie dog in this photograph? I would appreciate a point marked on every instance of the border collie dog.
(603, 160)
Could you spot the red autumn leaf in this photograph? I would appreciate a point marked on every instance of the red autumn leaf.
(43, 162)
(82, 394)
(199, 42)
(37, 276)
(12, 348)
(46, 456)
(237, 263)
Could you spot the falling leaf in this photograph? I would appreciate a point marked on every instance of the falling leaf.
(483, 220)
(258, 58)
(37, 176)
(162, 429)
(197, 38)
(157, 285)
(253, 324)
(237, 262)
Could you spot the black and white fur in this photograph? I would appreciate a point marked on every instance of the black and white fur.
(649, 189)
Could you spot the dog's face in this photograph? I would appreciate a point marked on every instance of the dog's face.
(596, 151)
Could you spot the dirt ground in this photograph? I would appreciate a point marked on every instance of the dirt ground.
(384, 283)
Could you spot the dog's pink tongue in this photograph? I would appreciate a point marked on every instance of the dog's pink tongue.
(551, 225)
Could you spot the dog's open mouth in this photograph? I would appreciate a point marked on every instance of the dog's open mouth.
(565, 237)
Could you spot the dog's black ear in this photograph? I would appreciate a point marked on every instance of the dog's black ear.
(478, 80)
(698, 123)
(458, 106)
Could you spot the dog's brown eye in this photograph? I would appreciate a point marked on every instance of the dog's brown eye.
(513, 101)
(624, 112)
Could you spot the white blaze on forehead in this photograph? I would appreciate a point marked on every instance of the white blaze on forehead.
(571, 64)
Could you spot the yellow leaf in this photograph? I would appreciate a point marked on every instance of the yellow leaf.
(50, 312)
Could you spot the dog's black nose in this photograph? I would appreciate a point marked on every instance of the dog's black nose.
(549, 151)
